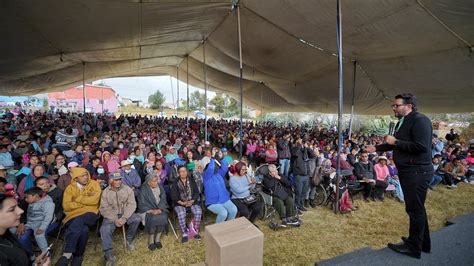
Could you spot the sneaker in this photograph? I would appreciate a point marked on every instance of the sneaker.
(130, 246)
(184, 239)
(302, 208)
(471, 182)
(293, 221)
(284, 222)
(197, 237)
(465, 181)
(110, 260)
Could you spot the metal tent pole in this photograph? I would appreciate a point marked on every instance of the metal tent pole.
(177, 90)
(353, 98)
(240, 82)
(340, 104)
(205, 88)
(187, 91)
(84, 98)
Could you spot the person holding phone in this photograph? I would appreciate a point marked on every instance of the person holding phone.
(11, 252)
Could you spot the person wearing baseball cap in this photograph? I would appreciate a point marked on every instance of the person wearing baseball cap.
(131, 177)
(117, 206)
(226, 157)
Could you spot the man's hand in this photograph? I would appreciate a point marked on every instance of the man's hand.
(43, 260)
(155, 211)
(190, 203)
(20, 230)
(370, 149)
(390, 139)
(120, 222)
(39, 232)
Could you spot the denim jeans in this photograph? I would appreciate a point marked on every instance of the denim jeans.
(398, 188)
(284, 166)
(108, 227)
(302, 185)
(436, 180)
(77, 233)
(224, 211)
(41, 240)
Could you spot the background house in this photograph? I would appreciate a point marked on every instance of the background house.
(98, 99)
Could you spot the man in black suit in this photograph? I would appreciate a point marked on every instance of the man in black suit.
(411, 145)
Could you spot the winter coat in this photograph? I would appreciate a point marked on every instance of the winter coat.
(214, 185)
(117, 203)
(77, 202)
(40, 214)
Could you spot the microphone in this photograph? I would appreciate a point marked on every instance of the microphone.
(391, 128)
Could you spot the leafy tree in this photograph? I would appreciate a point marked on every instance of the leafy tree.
(219, 103)
(197, 100)
(156, 100)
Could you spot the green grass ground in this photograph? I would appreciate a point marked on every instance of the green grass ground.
(323, 235)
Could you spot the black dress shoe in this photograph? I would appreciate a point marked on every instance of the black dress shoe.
(423, 249)
(63, 261)
(404, 249)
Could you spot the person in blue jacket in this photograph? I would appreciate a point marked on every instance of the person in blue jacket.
(217, 197)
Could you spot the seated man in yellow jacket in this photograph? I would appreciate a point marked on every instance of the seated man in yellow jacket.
(81, 207)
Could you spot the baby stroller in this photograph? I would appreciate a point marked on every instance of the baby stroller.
(269, 211)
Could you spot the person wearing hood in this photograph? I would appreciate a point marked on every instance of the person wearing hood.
(39, 222)
(28, 182)
(26, 169)
(152, 204)
(172, 154)
(217, 197)
(130, 176)
(117, 206)
(81, 207)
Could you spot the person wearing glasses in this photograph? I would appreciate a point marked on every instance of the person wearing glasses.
(411, 145)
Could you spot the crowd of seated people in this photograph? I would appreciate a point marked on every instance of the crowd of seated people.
(72, 170)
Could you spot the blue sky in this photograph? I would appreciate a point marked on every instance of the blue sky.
(139, 88)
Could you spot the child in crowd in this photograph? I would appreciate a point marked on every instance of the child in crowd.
(39, 220)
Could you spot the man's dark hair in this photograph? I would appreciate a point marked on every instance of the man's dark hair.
(3, 180)
(34, 191)
(408, 98)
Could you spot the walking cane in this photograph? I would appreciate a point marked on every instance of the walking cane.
(124, 238)
(124, 235)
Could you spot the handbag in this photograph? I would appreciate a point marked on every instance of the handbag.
(250, 199)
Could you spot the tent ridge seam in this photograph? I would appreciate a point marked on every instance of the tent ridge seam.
(455, 34)
(299, 39)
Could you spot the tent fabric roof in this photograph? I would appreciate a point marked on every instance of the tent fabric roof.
(419, 46)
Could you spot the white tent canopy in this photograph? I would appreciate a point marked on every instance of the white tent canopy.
(419, 46)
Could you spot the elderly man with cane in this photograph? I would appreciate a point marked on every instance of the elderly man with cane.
(117, 206)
